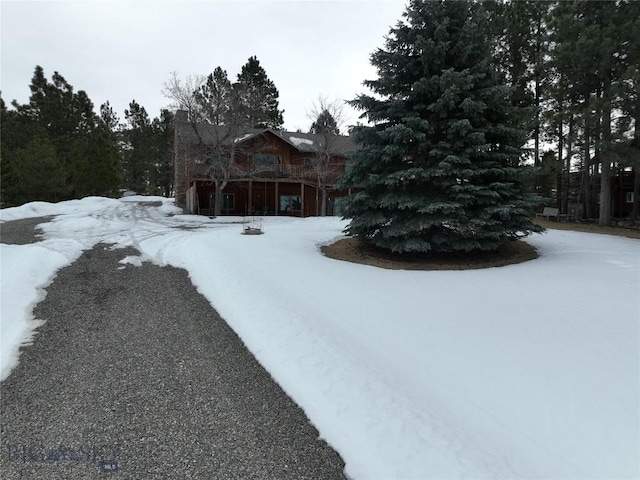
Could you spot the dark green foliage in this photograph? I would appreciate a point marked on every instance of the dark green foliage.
(38, 173)
(218, 99)
(138, 154)
(109, 118)
(95, 164)
(79, 155)
(15, 133)
(325, 124)
(162, 172)
(440, 167)
(520, 49)
(148, 151)
(259, 97)
(593, 81)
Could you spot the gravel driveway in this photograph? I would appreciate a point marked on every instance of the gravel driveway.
(135, 376)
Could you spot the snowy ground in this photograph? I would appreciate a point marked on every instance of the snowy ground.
(526, 371)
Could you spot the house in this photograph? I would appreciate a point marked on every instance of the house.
(622, 195)
(272, 173)
(622, 186)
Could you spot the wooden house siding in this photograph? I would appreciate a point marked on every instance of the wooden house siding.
(263, 197)
(284, 184)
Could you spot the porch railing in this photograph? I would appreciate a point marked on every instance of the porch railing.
(293, 172)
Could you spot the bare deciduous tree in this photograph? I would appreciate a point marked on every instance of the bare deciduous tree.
(327, 118)
(183, 97)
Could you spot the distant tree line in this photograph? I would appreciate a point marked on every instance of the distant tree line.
(574, 69)
(56, 147)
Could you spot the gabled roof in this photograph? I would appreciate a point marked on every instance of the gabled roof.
(303, 142)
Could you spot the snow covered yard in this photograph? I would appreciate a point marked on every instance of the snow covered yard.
(526, 371)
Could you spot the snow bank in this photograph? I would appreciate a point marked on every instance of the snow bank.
(25, 271)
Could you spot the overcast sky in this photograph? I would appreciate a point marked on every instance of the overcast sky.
(119, 51)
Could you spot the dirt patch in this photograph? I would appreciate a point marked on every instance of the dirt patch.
(590, 228)
(357, 251)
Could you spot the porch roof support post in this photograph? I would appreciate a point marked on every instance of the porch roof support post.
(276, 198)
(302, 199)
(250, 202)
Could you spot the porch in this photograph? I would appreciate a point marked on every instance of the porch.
(266, 197)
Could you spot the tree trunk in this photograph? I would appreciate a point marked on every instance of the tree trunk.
(559, 166)
(323, 205)
(605, 192)
(537, 72)
(217, 203)
(568, 167)
(323, 174)
(586, 176)
(605, 177)
(217, 199)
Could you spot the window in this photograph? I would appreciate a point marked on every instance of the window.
(228, 201)
(628, 197)
(290, 203)
(266, 162)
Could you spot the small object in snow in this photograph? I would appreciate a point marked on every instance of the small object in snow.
(252, 227)
(253, 231)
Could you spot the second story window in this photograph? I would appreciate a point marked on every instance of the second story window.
(266, 162)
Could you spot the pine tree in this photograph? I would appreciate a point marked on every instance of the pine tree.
(138, 155)
(259, 97)
(218, 100)
(440, 167)
(518, 30)
(162, 175)
(593, 44)
(109, 118)
(325, 124)
(229, 107)
(16, 131)
(39, 174)
(87, 158)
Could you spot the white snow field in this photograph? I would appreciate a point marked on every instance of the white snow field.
(526, 371)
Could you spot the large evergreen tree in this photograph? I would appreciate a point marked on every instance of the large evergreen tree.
(519, 34)
(325, 124)
(39, 174)
(440, 168)
(259, 97)
(139, 153)
(218, 100)
(162, 173)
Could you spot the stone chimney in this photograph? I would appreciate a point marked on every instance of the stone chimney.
(181, 116)
(180, 180)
